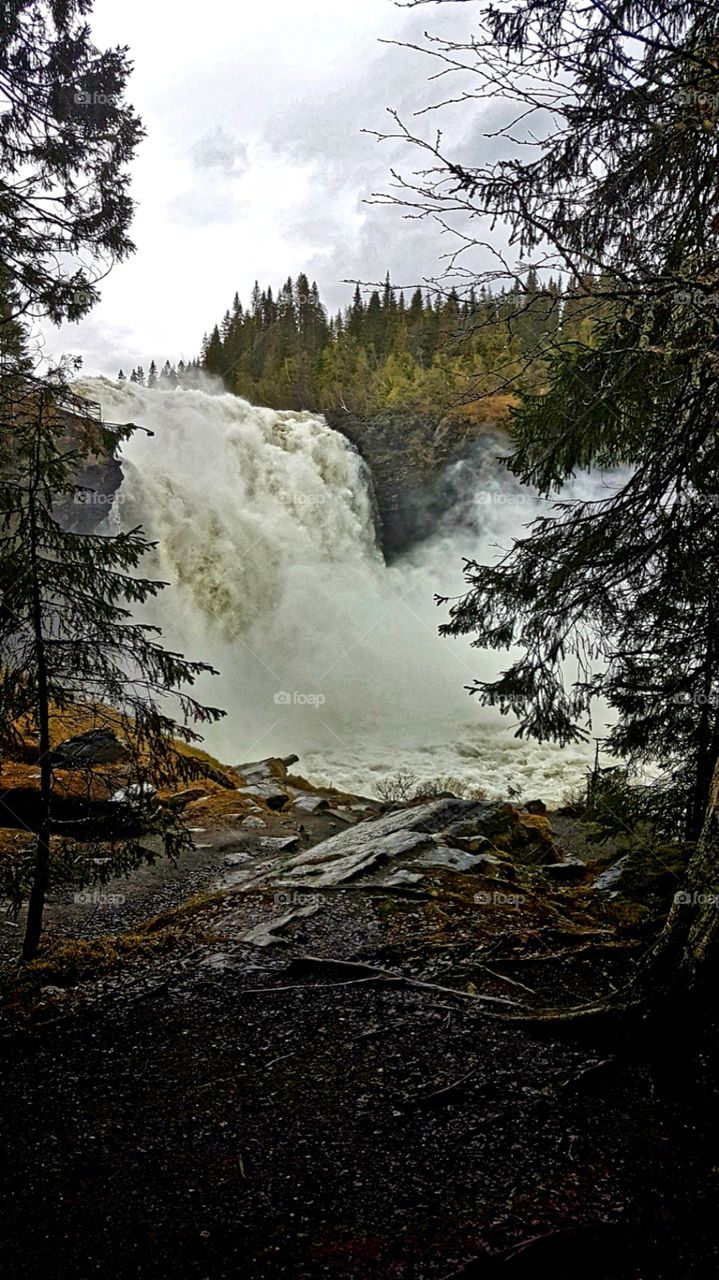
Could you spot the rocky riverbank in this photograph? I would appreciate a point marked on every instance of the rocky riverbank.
(320, 1047)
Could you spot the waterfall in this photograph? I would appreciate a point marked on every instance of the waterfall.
(264, 529)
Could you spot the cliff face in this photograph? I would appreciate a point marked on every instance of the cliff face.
(99, 480)
(423, 472)
(421, 469)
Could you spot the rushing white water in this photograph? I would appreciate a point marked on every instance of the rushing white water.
(264, 528)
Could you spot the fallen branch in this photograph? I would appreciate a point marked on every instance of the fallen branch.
(302, 986)
(304, 963)
(588, 1017)
(587, 948)
(423, 1099)
(578, 1077)
(502, 977)
(597, 1018)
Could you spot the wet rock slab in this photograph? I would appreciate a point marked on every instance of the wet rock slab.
(425, 831)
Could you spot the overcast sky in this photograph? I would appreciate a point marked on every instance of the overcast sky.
(255, 164)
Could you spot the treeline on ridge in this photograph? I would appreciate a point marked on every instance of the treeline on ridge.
(431, 353)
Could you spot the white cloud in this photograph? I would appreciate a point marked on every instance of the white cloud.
(217, 150)
(255, 164)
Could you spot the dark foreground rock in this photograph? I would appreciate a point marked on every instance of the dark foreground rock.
(96, 746)
(230, 1108)
(323, 1067)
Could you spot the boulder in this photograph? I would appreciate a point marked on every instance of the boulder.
(429, 828)
(308, 802)
(139, 795)
(488, 864)
(135, 804)
(610, 879)
(97, 746)
(263, 770)
(273, 796)
(565, 872)
(268, 933)
(279, 844)
(235, 859)
(265, 780)
(528, 839)
(444, 855)
(344, 815)
(644, 872)
(82, 804)
(181, 798)
(404, 878)
(473, 844)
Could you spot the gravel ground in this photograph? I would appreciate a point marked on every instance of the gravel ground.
(152, 889)
(219, 1112)
(218, 1109)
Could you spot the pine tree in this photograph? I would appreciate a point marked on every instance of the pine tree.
(355, 318)
(389, 300)
(67, 637)
(626, 586)
(274, 354)
(214, 356)
(168, 376)
(13, 343)
(66, 141)
(374, 325)
(152, 375)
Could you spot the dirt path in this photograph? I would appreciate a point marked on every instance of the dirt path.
(219, 1113)
(124, 902)
(210, 1103)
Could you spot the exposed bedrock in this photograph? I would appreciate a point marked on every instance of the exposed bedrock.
(425, 473)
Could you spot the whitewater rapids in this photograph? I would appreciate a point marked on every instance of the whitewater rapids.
(265, 532)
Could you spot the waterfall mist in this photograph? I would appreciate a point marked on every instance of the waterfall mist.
(264, 527)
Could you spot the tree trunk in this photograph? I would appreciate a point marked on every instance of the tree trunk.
(707, 740)
(673, 994)
(683, 964)
(38, 893)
